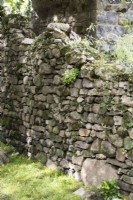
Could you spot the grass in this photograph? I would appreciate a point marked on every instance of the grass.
(22, 179)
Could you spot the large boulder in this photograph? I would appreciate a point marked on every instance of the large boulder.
(3, 157)
(94, 171)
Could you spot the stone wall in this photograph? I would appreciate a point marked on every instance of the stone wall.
(113, 18)
(86, 128)
(109, 17)
(14, 54)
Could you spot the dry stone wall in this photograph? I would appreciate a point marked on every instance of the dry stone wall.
(113, 18)
(86, 128)
(13, 59)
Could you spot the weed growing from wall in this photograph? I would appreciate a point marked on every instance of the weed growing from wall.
(108, 190)
(70, 76)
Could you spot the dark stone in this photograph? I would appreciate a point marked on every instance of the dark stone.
(131, 172)
(41, 157)
(125, 186)
(3, 157)
(117, 163)
(108, 149)
(92, 196)
(127, 179)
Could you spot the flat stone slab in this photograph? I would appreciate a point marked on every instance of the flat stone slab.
(94, 172)
(60, 26)
(81, 192)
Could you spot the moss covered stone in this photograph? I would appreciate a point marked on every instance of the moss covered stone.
(128, 143)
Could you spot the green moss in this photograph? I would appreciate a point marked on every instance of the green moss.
(103, 108)
(76, 126)
(128, 120)
(88, 154)
(46, 114)
(14, 135)
(64, 50)
(108, 121)
(5, 121)
(128, 143)
(122, 131)
(6, 148)
(38, 80)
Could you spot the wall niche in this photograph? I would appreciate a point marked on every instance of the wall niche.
(78, 13)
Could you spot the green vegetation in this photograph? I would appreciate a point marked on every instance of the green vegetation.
(6, 148)
(27, 180)
(109, 190)
(82, 47)
(15, 7)
(124, 50)
(70, 76)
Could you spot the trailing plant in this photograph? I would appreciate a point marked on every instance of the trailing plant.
(70, 76)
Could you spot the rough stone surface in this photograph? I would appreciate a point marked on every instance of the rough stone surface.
(93, 172)
(120, 155)
(3, 157)
(95, 147)
(117, 163)
(84, 132)
(131, 133)
(125, 186)
(130, 155)
(128, 143)
(92, 196)
(77, 160)
(108, 149)
(127, 179)
(131, 196)
(51, 165)
(80, 192)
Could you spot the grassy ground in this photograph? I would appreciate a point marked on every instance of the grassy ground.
(23, 179)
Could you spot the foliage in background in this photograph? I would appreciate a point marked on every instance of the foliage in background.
(22, 7)
(70, 76)
(124, 50)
